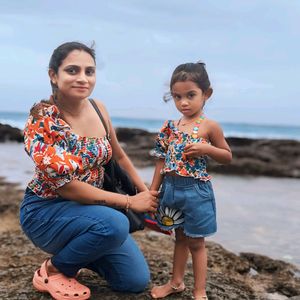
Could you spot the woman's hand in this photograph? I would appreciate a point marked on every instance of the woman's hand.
(145, 201)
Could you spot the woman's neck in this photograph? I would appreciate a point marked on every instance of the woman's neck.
(70, 107)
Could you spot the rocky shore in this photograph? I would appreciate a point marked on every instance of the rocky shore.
(230, 276)
(277, 158)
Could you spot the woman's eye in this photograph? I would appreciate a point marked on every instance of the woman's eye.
(71, 71)
(90, 72)
(191, 96)
(176, 97)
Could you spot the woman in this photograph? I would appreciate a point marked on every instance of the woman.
(65, 212)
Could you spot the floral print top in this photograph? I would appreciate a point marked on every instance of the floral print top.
(170, 144)
(60, 155)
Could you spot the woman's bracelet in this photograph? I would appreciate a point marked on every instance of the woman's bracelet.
(128, 203)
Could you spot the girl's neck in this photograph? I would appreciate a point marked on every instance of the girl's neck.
(188, 120)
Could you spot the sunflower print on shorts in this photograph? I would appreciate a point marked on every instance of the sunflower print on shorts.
(169, 217)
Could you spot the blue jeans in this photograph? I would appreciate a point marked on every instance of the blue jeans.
(85, 236)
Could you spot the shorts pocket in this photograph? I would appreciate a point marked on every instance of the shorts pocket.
(203, 189)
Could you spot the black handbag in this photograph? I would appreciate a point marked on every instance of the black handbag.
(117, 180)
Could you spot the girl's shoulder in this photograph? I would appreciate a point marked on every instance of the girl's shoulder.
(212, 126)
(211, 123)
(168, 125)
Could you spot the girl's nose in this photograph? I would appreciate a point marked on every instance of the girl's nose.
(184, 102)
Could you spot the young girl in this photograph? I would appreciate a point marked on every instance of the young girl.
(187, 201)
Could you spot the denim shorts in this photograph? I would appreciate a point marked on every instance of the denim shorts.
(188, 203)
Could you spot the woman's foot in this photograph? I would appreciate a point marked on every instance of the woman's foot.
(59, 286)
(51, 270)
(162, 291)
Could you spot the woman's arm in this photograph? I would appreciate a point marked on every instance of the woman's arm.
(119, 154)
(87, 194)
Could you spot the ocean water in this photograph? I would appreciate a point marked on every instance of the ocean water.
(18, 119)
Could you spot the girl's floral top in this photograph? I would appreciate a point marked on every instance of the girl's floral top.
(170, 144)
(60, 155)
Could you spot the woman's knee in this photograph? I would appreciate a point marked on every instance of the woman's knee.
(135, 282)
(114, 229)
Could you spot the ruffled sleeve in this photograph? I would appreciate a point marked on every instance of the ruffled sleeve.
(162, 141)
(46, 143)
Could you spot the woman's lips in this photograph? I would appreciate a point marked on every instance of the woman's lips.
(81, 87)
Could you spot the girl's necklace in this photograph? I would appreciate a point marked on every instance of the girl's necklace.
(187, 123)
(196, 127)
(190, 122)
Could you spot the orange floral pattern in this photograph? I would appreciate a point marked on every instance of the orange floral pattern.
(169, 146)
(60, 155)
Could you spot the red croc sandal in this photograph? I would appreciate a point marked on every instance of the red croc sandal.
(59, 286)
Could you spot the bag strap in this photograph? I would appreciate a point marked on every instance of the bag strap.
(100, 116)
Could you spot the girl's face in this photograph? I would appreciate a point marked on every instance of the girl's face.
(76, 75)
(188, 97)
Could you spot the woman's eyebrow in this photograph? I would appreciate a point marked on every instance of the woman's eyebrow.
(77, 66)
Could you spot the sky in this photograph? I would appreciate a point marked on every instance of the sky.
(251, 50)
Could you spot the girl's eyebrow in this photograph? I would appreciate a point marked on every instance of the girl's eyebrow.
(190, 91)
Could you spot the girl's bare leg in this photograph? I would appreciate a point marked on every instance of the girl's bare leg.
(199, 257)
(180, 257)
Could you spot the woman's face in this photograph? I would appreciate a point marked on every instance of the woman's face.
(76, 76)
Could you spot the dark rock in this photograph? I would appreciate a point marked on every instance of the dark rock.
(9, 133)
(277, 158)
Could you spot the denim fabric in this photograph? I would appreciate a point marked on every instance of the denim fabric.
(188, 203)
(85, 236)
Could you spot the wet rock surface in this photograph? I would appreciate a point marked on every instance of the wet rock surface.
(230, 276)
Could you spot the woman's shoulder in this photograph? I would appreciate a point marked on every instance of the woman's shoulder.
(45, 115)
(43, 109)
(102, 108)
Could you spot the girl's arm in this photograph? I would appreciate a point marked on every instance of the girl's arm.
(119, 154)
(218, 150)
(87, 194)
(157, 177)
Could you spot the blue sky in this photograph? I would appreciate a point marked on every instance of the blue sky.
(251, 49)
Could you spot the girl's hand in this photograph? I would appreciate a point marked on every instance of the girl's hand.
(196, 150)
(145, 201)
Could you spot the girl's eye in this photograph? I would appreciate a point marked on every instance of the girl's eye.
(191, 96)
(176, 97)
